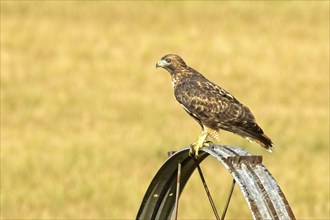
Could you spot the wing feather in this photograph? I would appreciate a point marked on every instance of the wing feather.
(214, 106)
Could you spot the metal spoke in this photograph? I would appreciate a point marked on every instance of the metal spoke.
(207, 190)
(178, 180)
(228, 200)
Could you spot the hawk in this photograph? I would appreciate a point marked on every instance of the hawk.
(210, 105)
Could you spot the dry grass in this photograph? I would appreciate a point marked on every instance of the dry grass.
(86, 119)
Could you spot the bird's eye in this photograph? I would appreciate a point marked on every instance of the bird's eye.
(168, 60)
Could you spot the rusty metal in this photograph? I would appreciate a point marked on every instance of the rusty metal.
(260, 190)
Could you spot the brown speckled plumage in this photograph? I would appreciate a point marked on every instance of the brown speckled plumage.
(211, 106)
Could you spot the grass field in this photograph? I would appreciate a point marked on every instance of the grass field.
(87, 120)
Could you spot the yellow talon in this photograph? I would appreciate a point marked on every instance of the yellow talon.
(195, 147)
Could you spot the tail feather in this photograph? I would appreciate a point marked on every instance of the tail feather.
(264, 141)
(259, 137)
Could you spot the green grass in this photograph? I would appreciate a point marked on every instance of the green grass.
(87, 120)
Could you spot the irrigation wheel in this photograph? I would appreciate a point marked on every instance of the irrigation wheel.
(260, 190)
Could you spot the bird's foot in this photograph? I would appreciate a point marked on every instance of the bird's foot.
(195, 147)
(193, 152)
(208, 144)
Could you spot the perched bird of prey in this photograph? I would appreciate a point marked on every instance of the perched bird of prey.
(210, 105)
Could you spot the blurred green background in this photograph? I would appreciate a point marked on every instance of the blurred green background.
(87, 120)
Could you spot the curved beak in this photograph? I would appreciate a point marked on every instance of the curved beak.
(161, 63)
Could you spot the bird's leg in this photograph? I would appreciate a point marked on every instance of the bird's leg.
(199, 144)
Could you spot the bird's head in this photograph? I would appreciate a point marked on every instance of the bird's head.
(171, 62)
